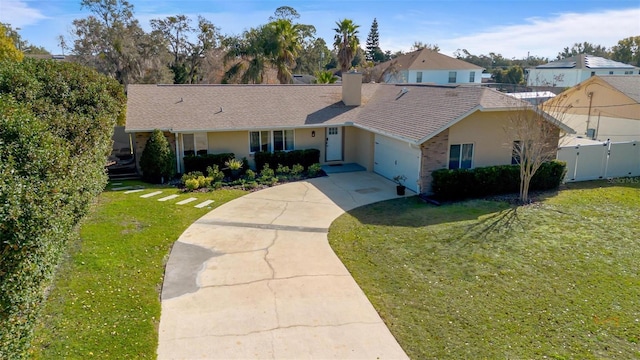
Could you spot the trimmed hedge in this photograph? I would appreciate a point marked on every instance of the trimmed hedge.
(492, 180)
(202, 162)
(306, 158)
(56, 124)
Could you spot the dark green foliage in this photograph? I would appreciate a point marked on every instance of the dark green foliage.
(471, 183)
(158, 163)
(202, 162)
(305, 158)
(56, 123)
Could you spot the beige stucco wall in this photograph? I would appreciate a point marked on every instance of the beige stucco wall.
(613, 114)
(358, 147)
(486, 131)
(303, 139)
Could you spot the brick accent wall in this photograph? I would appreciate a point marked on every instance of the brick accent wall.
(434, 157)
(140, 142)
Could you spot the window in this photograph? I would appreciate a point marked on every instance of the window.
(628, 72)
(276, 140)
(460, 156)
(195, 144)
(472, 76)
(610, 72)
(593, 73)
(283, 140)
(452, 77)
(259, 141)
(419, 77)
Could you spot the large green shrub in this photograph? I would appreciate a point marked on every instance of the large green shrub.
(56, 123)
(157, 162)
(469, 183)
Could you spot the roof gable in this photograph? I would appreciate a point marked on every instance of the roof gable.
(626, 84)
(425, 59)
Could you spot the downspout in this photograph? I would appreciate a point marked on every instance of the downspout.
(177, 152)
(590, 95)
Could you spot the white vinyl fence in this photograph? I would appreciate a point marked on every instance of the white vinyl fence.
(601, 161)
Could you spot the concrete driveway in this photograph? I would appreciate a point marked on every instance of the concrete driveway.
(257, 279)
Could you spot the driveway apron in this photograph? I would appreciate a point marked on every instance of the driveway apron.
(257, 279)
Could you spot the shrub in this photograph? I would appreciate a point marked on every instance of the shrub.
(468, 183)
(305, 158)
(191, 175)
(214, 173)
(283, 170)
(297, 169)
(250, 174)
(202, 162)
(267, 172)
(56, 123)
(233, 164)
(157, 161)
(192, 184)
(314, 170)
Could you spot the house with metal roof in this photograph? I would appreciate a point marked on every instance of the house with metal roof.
(427, 66)
(573, 70)
(601, 108)
(406, 129)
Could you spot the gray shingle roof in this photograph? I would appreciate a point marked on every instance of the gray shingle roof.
(236, 107)
(416, 114)
(422, 111)
(626, 84)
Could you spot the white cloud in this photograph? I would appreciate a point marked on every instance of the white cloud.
(547, 37)
(19, 14)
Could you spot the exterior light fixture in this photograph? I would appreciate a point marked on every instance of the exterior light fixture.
(313, 133)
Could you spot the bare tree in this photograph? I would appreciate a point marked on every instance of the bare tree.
(536, 136)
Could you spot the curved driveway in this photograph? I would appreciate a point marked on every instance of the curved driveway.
(257, 279)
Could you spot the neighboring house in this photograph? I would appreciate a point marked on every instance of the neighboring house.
(428, 66)
(573, 70)
(533, 97)
(601, 108)
(390, 129)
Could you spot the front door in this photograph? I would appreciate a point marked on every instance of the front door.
(334, 144)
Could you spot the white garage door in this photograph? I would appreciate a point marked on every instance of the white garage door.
(393, 157)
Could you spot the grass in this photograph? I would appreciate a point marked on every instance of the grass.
(105, 302)
(484, 280)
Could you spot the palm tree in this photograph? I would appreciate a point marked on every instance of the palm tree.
(248, 57)
(325, 77)
(285, 47)
(346, 41)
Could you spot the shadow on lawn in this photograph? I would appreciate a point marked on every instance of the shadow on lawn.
(412, 212)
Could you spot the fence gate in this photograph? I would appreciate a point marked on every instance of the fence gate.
(601, 161)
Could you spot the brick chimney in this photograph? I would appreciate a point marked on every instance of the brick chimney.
(352, 88)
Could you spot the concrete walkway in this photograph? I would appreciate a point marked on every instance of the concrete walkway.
(257, 279)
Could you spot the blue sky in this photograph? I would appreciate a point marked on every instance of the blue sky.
(512, 28)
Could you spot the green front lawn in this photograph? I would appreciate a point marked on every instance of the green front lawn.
(105, 302)
(481, 279)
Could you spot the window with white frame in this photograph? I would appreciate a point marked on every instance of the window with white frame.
(452, 77)
(276, 140)
(195, 144)
(419, 77)
(472, 76)
(460, 156)
(259, 141)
